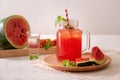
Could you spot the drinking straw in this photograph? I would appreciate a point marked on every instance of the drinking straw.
(67, 19)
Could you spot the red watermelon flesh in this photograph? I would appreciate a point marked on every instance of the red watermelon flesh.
(83, 62)
(16, 31)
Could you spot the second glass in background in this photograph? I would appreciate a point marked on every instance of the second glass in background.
(33, 45)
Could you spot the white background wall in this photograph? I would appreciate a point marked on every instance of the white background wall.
(96, 16)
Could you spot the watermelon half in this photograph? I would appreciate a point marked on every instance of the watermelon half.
(13, 32)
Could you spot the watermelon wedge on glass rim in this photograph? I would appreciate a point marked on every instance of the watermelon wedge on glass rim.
(13, 32)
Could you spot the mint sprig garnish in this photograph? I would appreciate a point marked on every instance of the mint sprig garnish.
(47, 44)
(33, 57)
(59, 18)
(68, 63)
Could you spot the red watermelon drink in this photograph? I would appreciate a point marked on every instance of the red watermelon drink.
(69, 39)
(69, 44)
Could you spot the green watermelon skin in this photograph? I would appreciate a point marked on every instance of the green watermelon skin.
(6, 42)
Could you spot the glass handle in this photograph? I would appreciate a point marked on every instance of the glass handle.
(87, 34)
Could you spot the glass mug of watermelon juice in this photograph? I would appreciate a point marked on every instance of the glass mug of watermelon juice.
(69, 41)
(33, 45)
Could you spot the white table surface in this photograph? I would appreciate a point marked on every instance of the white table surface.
(21, 68)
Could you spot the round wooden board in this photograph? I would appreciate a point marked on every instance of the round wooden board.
(52, 61)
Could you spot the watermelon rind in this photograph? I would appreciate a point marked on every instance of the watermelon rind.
(98, 62)
(84, 63)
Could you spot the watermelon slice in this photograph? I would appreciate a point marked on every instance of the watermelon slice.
(98, 56)
(13, 32)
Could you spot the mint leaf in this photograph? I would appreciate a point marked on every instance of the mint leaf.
(56, 22)
(31, 57)
(60, 18)
(72, 63)
(47, 46)
(65, 63)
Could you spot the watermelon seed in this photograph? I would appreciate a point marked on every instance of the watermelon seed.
(21, 36)
(18, 24)
(14, 25)
(22, 30)
(13, 30)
